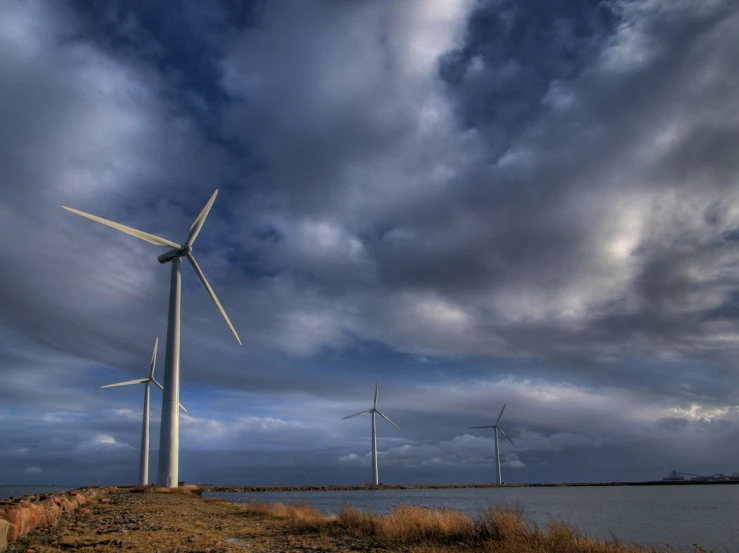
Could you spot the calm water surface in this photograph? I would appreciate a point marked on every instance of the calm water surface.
(676, 515)
(20, 491)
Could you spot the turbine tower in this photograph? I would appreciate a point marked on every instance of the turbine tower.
(169, 437)
(373, 412)
(497, 429)
(144, 456)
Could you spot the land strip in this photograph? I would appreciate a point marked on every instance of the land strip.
(129, 520)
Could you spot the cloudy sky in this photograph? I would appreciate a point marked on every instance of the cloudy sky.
(475, 202)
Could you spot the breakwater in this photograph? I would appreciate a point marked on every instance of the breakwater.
(319, 488)
(18, 516)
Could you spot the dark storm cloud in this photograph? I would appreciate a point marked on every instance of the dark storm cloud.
(538, 243)
(477, 203)
(514, 58)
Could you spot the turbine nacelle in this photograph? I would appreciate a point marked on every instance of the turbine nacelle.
(168, 256)
(183, 251)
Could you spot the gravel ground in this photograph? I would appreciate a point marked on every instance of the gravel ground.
(169, 522)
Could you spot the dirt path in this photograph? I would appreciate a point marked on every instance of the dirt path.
(168, 522)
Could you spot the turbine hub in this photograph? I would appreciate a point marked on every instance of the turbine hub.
(186, 248)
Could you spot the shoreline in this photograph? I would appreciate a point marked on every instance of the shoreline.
(369, 487)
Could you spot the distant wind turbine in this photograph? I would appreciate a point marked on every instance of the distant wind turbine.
(497, 451)
(144, 456)
(169, 437)
(373, 411)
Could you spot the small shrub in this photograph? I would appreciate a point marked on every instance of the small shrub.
(259, 508)
(411, 524)
(357, 522)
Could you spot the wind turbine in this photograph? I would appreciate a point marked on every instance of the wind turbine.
(169, 437)
(144, 456)
(373, 411)
(497, 451)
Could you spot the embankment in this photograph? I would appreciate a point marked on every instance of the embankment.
(209, 488)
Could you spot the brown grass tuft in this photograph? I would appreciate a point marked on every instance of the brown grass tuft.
(302, 516)
(412, 525)
(358, 523)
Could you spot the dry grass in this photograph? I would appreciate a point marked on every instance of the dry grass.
(301, 515)
(424, 530)
(410, 525)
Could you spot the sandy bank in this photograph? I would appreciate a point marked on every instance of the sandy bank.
(166, 522)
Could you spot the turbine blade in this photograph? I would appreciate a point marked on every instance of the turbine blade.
(506, 436)
(181, 407)
(158, 385)
(501, 414)
(377, 384)
(470, 427)
(198, 223)
(388, 420)
(126, 383)
(212, 294)
(357, 414)
(153, 364)
(151, 238)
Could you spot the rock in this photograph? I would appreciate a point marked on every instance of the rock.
(4, 528)
(17, 517)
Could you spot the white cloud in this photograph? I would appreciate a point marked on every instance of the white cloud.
(103, 443)
(700, 413)
(512, 461)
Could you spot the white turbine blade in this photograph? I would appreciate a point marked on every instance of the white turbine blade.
(357, 414)
(501, 414)
(506, 436)
(377, 384)
(198, 223)
(154, 359)
(158, 385)
(212, 294)
(181, 407)
(388, 420)
(151, 238)
(126, 383)
(471, 427)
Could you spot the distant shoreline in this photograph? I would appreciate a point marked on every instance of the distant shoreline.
(318, 488)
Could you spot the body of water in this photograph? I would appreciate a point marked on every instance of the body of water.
(21, 491)
(676, 515)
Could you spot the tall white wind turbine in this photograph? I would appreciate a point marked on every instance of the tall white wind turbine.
(374, 411)
(169, 437)
(144, 455)
(497, 429)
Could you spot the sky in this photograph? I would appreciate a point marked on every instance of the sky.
(476, 203)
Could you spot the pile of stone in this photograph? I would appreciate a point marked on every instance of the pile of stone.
(20, 516)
